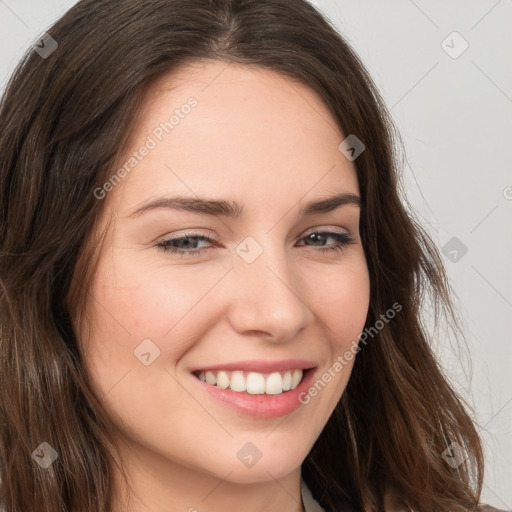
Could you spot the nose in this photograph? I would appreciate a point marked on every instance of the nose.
(268, 298)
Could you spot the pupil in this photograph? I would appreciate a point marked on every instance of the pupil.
(315, 237)
(187, 243)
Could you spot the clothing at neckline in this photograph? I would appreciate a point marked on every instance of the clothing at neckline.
(310, 504)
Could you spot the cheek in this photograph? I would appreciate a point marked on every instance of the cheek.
(147, 299)
(343, 303)
(131, 303)
(342, 307)
(132, 300)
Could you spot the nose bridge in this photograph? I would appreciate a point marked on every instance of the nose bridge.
(267, 297)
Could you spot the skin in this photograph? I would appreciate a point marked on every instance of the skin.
(270, 144)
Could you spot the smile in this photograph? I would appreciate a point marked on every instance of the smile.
(257, 388)
(251, 382)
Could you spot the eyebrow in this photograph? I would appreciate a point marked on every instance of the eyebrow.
(232, 209)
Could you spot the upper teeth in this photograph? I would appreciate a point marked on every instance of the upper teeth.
(253, 382)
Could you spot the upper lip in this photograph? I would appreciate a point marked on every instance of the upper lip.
(260, 365)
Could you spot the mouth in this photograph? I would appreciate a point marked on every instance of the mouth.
(251, 382)
(257, 389)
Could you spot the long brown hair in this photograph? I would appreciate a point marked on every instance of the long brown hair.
(65, 118)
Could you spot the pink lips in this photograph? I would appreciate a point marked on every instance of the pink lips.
(261, 366)
(260, 406)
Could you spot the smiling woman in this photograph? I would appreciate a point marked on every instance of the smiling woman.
(234, 321)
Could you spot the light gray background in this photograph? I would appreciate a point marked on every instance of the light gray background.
(455, 117)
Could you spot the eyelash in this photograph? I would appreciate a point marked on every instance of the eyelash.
(343, 241)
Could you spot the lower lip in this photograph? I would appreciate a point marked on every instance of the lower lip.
(260, 406)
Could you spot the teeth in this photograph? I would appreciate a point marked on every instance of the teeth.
(254, 383)
(238, 382)
(222, 380)
(287, 381)
(296, 378)
(211, 378)
(274, 384)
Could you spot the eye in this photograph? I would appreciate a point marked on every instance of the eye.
(183, 245)
(189, 242)
(342, 240)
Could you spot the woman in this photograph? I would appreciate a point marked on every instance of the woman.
(211, 289)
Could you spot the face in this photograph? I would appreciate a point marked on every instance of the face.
(260, 290)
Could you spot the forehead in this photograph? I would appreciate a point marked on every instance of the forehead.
(251, 131)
